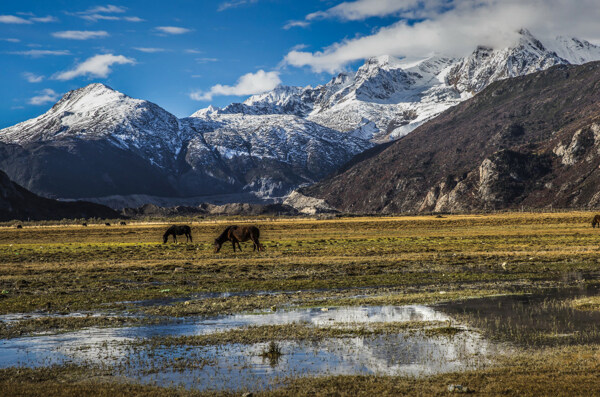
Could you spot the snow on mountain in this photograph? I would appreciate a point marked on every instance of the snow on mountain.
(388, 97)
(485, 65)
(270, 154)
(573, 50)
(267, 145)
(214, 152)
(99, 112)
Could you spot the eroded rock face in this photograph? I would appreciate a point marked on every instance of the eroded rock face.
(580, 145)
(307, 205)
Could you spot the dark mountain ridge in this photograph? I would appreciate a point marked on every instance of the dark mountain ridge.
(529, 141)
(17, 202)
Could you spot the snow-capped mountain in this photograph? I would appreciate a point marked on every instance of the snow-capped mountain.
(97, 142)
(387, 97)
(97, 112)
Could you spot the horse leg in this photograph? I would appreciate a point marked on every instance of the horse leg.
(239, 246)
(175, 238)
(233, 243)
(190, 234)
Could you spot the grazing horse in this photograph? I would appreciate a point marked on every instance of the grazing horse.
(123, 223)
(235, 234)
(107, 224)
(84, 224)
(178, 230)
(596, 221)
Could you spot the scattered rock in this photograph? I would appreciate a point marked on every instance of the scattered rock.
(459, 389)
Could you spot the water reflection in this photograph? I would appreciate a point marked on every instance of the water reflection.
(540, 319)
(237, 366)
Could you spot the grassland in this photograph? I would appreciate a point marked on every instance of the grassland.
(67, 268)
(124, 270)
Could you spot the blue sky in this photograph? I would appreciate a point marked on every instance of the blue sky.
(220, 46)
(185, 54)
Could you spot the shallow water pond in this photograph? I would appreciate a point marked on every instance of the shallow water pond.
(540, 319)
(532, 319)
(240, 366)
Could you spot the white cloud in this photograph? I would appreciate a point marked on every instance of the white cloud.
(292, 24)
(107, 9)
(41, 53)
(46, 19)
(248, 84)
(32, 78)
(149, 49)
(95, 14)
(172, 29)
(96, 17)
(96, 66)
(206, 60)
(13, 19)
(234, 4)
(362, 9)
(457, 30)
(193, 51)
(45, 96)
(11, 40)
(80, 34)
(133, 19)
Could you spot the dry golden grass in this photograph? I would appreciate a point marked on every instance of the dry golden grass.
(74, 267)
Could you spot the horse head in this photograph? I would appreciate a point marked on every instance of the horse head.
(217, 245)
(165, 237)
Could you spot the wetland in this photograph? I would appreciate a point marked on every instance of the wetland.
(345, 306)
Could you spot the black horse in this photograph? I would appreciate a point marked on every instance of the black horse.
(178, 230)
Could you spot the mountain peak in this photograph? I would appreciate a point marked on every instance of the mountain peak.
(382, 61)
(90, 97)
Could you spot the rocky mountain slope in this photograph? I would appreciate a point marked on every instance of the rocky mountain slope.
(387, 97)
(531, 141)
(19, 203)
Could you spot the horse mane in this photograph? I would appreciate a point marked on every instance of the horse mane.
(224, 236)
(168, 232)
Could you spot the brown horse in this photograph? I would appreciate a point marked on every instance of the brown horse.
(596, 221)
(235, 234)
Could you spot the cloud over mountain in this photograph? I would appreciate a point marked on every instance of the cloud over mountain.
(453, 28)
(248, 84)
(96, 66)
